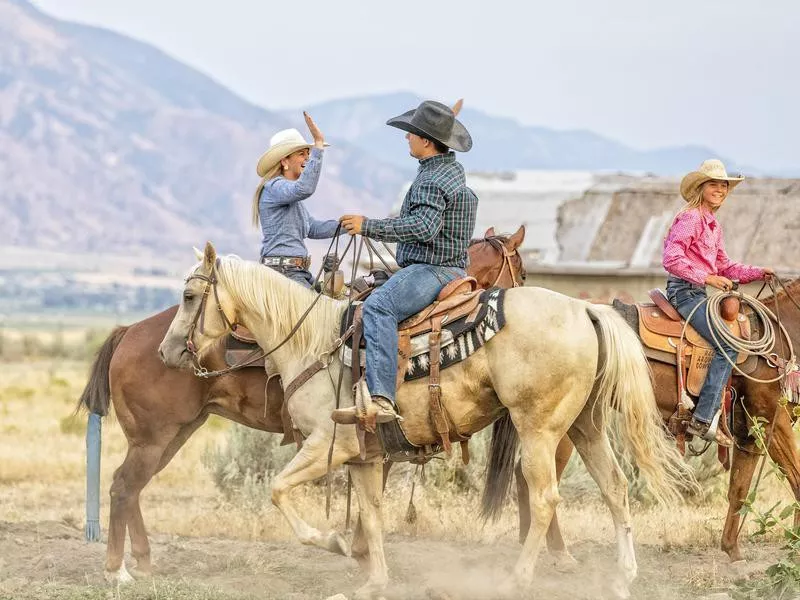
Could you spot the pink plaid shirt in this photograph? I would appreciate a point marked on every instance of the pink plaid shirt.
(694, 249)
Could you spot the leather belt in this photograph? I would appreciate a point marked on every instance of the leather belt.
(304, 262)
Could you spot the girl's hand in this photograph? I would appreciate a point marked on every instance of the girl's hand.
(719, 282)
(316, 134)
(768, 274)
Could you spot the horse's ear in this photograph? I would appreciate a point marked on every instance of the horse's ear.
(457, 106)
(209, 256)
(515, 241)
(489, 233)
(198, 254)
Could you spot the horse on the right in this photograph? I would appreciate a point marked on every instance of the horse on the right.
(754, 400)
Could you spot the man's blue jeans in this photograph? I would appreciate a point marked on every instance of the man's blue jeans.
(406, 293)
(684, 296)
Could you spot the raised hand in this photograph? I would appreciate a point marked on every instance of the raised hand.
(316, 134)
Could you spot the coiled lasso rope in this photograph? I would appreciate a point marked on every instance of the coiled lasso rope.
(722, 335)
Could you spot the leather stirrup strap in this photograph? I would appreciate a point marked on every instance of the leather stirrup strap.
(681, 414)
(437, 411)
(356, 354)
(403, 356)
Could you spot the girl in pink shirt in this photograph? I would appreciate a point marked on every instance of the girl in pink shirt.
(694, 256)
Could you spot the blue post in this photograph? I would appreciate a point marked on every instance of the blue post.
(93, 442)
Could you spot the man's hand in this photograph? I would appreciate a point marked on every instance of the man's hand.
(768, 274)
(354, 224)
(719, 282)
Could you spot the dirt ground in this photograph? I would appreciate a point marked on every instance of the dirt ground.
(210, 547)
(50, 560)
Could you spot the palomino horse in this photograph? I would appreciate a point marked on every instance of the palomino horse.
(756, 400)
(160, 408)
(558, 365)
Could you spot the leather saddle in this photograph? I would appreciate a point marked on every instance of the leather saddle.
(457, 299)
(660, 327)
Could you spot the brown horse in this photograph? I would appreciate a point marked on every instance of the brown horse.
(160, 408)
(757, 399)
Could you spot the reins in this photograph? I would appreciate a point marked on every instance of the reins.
(211, 283)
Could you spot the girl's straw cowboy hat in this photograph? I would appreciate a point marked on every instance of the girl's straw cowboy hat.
(281, 145)
(710, 169)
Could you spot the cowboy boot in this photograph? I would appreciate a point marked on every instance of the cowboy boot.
(368, 409)
(710, 432)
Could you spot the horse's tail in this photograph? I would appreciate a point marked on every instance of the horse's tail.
(96, 398)
(499, 467)
(624, 383)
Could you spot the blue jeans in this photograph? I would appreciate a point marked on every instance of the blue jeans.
(406, 293)
(297, 274)
(684, 296)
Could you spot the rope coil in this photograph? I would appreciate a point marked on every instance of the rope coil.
(723, 337)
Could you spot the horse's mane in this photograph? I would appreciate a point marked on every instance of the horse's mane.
(497, 241)
(282, 303)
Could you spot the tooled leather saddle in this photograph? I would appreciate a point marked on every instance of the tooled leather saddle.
(660, 327)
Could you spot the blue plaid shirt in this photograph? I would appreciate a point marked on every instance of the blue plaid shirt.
(437, 219)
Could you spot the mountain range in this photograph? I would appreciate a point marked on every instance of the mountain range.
(500, 144)
(109, 145)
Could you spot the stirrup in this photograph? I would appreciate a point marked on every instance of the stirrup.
(709, 432)
(380, 409)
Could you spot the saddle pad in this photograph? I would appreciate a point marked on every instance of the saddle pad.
(419, 345)
(238, 349)
(459, 339)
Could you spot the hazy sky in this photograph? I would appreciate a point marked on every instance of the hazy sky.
(722, 73)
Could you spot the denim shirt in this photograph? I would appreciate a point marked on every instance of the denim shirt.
(285, 222)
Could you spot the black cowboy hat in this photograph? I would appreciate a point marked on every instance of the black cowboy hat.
(434, 121)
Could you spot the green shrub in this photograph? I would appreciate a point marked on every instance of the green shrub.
(248, 461)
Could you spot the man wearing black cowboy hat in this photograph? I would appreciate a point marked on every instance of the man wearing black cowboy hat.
(432, 233)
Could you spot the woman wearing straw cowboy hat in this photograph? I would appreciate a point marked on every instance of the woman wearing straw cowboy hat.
(289, 172)
(433, 231)
(694, 256)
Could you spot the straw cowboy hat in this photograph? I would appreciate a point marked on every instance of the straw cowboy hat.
(710, 169)
(281, 145)
(434, 121)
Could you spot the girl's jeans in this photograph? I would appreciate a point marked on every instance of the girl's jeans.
(685, 296)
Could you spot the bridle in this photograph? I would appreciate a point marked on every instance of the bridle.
(198, 322)
(498, 244)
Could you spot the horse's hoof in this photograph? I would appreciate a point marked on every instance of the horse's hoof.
(370, 591)
(740, 570)
(337, 544)
(141, 572)
(510, 588)
(564, 562)
(619, 588)
(119, 577)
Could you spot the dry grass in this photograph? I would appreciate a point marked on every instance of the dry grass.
(42, 459)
